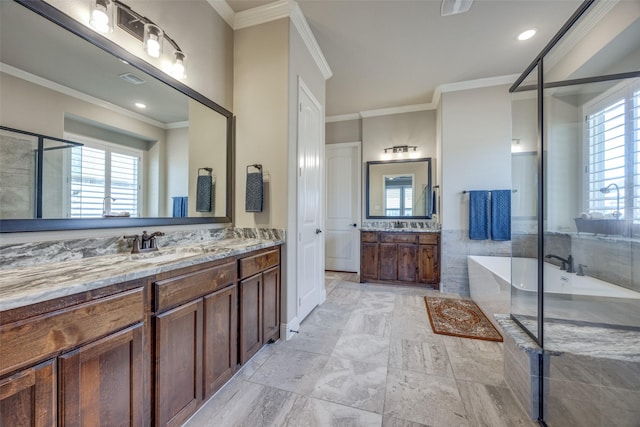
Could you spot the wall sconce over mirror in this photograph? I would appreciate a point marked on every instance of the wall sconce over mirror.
(148, 32)
(400, 149)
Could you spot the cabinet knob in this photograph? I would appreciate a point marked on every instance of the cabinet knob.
(354, 225)
(318, 231)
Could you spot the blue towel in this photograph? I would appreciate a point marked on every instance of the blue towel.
(180, 207)
(254, 197)
(478, 215)
(501, 214)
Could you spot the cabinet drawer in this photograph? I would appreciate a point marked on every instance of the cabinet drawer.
(29, 341)
(398, 238)
(257, 263)
(369, 236)
(428, 238)
(187, 287)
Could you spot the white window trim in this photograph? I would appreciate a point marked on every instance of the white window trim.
(624, 89)
(114, 147)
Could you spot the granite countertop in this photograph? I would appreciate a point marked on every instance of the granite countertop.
(23, 286)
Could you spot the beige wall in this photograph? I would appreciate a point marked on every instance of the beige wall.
(207, 148)
(177, 165)
(476, 148)
(343, 131)
(261, 57)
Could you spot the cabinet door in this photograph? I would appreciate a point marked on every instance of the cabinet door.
(388, 261)
(369, 261)
(178, 359)
(220, 339)
(407, 262)
(28, 398)
(250, 317)
(271, 304)
(428, 268)
(101, 383)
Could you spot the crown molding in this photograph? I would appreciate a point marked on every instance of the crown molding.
(271, 12)
(397, 110)
(224, 10)
(262, 14)
(178, 125)
(435, 100)
(32, 78)
(301, 24)
(342, 118)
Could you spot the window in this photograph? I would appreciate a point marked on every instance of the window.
(398, 196)
(613, 153)
(104, 176)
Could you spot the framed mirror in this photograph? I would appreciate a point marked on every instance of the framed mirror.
(399, 189)
(76, 91)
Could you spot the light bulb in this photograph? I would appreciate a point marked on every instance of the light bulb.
(100, 17)
(153, 47)
(178, 69)
(153, 40)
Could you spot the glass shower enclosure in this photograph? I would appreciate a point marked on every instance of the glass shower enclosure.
(576, 220)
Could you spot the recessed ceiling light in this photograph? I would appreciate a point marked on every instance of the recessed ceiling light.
(140, 105)
(526, 35)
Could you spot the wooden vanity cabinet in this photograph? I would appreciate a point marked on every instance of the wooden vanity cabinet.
(259, 301)
(28, 397)
(195, 338)
(400, 257)
(79, 364)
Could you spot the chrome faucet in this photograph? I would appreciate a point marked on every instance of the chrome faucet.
(567, 264)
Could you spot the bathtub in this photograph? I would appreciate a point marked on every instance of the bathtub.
(567, 295)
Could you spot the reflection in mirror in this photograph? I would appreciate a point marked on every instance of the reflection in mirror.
(524, 198)
(399, 189)
(137, 142)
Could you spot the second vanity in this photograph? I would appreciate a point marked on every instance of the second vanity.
(133, 339)
(403, 256)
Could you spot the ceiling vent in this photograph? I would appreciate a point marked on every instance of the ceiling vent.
(132, 78)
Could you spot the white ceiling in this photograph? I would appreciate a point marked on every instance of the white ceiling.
(394, 53)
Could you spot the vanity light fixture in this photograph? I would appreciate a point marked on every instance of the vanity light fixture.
(102, 16)
(396, 149)
(526, 35)
(140, 27)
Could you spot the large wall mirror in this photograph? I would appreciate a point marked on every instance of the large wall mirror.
(75, 150)
(399, 189)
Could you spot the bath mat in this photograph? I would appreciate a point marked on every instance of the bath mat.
(460, 318)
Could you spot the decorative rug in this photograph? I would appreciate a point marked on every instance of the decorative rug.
(460, 318)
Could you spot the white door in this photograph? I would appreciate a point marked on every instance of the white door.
(343, 183)
(310, 265)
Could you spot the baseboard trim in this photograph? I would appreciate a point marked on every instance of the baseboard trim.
(286, 329)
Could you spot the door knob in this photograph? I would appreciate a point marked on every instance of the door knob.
(318, 231)
(354, 225)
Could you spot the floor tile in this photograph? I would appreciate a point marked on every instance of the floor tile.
(493, 406)
(476, 360)
(419, 356)
(356, 384)
(425, 399)
(369, 322)
(291, 370)
(388, 421)
(362, 347)
(311, 412)
(248, 405)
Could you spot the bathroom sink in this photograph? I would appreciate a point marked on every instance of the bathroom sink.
(167, 255)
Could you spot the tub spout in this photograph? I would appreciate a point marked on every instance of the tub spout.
(567, 264)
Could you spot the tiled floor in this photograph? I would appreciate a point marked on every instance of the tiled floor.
(368, 357)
